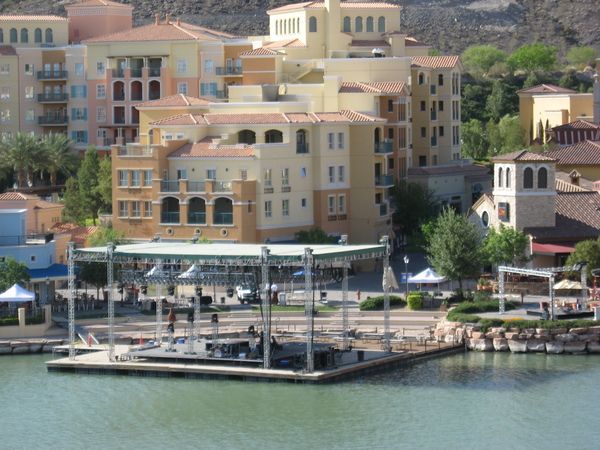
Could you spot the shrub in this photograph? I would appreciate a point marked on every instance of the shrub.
(376, 303)
(482, 296)
(6, 321)
(472, 308)
(415, 301)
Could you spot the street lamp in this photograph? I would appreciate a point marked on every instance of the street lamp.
(406, 261)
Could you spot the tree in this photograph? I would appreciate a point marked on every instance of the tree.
(582, 56)
(415, 205)
(74, 210)
(93, 273)
(506, 136)
(12, 272)
(533, 58)
(481, 58)
(88, 184)
(474, 99)
(104, 235)
(570, 80)
(506, 246)
(314, 236)
(475, 143)
(105, 184)
(21, 154)
(454, 247)
(58, 156)
(588, 251)
(499, 102)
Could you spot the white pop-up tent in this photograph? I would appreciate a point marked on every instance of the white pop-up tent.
(428, 276)
(16, 294)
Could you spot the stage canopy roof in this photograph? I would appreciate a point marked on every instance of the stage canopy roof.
(217, 253)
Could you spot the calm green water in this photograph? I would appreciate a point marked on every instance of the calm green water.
(496, 401)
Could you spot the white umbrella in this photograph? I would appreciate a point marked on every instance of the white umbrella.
(16, 294)
(567, 285)
(192, 273)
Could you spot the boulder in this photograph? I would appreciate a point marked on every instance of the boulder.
(477, 335)
(593, 347)
(579, 330)
(541, 337)
(481, 345)
(498, 330)
(20, 348)
(516, 346)
(450, 339)
(35, 348)
(511, 335)
(5, 349)
(555, 347)
(595, 329)
(492, 335)
(557, 331)
(500, 344)
(575, 347)
(524, 336)
(536, 345)
(542, 332)
(566, 337)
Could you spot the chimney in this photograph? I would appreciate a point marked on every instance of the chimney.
(178, 22)
(167, 18)
(156, 19)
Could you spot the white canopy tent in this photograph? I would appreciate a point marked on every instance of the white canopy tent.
(17, 294)
(427, 276)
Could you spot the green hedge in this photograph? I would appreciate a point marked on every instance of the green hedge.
(415, 301)
(34, 320)
(376, 303)
(6, 321)
(466, 308)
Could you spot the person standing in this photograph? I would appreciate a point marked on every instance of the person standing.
(274, 298)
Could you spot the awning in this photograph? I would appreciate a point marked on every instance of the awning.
(550, 249)
(52, 273)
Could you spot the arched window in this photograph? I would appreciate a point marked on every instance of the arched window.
(13, 35)
(312, 25)
(49, 38)
(277, 27)
(247, 137)
(358, 24)
(298, 25)
(169, 210)
(284, 27)
(118, 91)
(37, 36)
(136, 91)
(290, 29)
(1, 35)
(273, 136)
(542, 178)
(421, 78)
(508, 177)
(24, 36)
(528, 178)
(369, 24)
(381, 24)
(154, 90)
(196, 211)
(500, 177)
(301, 142)
(346, 26)
(223, 211)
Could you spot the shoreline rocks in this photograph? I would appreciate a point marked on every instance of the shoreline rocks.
(24, 346)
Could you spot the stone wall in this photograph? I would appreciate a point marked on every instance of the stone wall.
(533, 340)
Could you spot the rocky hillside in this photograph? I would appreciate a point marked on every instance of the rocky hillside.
(448, 25)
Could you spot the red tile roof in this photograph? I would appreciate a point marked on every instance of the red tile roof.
(546, 89)
(96, 3)
(565, 186)
(435, 62)
(584, 153)
(412, 42)
(177, 100)
(522, 155)
(261, 51)
(12, 196)
(206, 149)
(181, 119)
(79, 234)
(577, 125)
(31, 18)
(379, 87)
(7, 50)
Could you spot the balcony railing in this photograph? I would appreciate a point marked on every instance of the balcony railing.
(383, 209)
(118, 73)
(136, 73)
(169, 217)
(383, 147)
(119, 120)
(302, 147)
(169, 186)
(53, 120)
(135, 150)
(223, 218)
(196, 186)
(384, 180)
(220, 94)
(229, 70)
(52, 97)
(222, 186)
(154, 71)
(118, 96)
(52, 75)
(197, 218)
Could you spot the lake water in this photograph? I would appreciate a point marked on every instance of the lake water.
(473, 401)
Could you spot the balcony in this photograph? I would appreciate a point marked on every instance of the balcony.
(222, 186)
(384, 181)
(118, 73)
(197, 218)
(135, 150)
(154, 71)
(223, 218)
(169, 217)
(286, 188)
(383, 209)
(169, 186)
(52, 75)
(50, 97)
(302, 147)
(222, 71)
(220, 94)
(196, 186)
(53, 120)
(136, 73)
(383, 147)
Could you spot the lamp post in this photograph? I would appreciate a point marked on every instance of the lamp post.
(406, 261)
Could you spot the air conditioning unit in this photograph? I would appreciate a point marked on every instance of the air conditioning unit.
(224, 232)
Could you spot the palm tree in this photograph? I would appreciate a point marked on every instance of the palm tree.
(21, 155)
(58, 156)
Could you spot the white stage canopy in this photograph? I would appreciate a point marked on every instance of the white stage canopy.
(427, 276)
(16, 294)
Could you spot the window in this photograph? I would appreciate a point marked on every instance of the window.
(390, 133)
(79, 91)
(421, 78)
(181, 66)
(29, 69)
(507, 177)
(208, 88)
(455, 110)
(268, 209)
(136, 176)
(440, 79)
(78, 113)
(100, 91)
(341, 204)
(4, 69)
(123, 210)
(13, 36)
(182, 88)
(330, 141)
(49, 37)
(211, 174)
(341, 174)
(346, 26)
(369, 24)
(5, 93)
(331, 205)
(136, 210)
(401, 137)
(422, 161)
(123, 178)
(423, 132)
(331, 174)
(5, 115)
(303, 172)
(147, 209)
(390, 105)
(301, 144)
(182, 174)
(358, 24)
(441, 105)
(100, 114)
(208, 66)
(542, 178)
(243, 174)
(148, 178)
(390, 163)
(30, 115)
(441, 131)
(340, 140)
(273, 136)
(381, 24)
(285, 207)
(37, 36)
(24, 36)
(303, 203)
(268, 178)
(485, 219)
(100, 68)
(423, 105)
(456, 135)
(285, 177)
(528, 178)
(29, 92)
(79, 69)
(312, 24)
